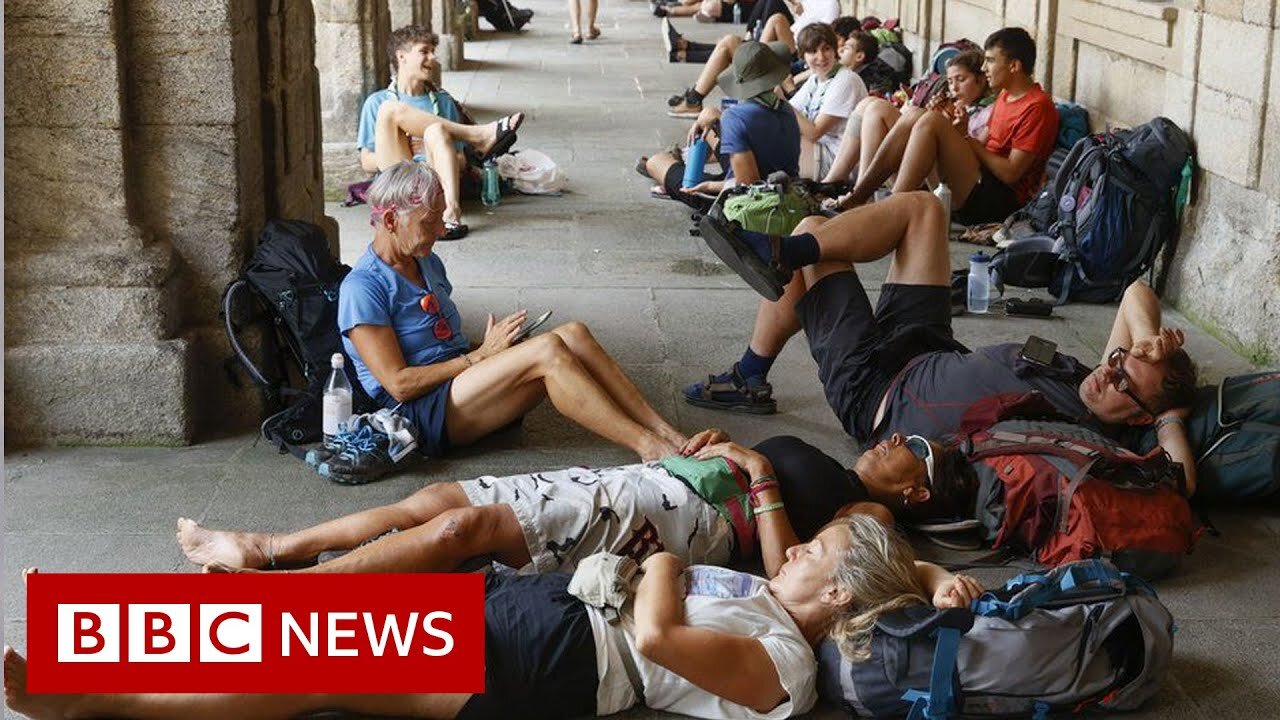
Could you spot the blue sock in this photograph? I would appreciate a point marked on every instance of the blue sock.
(753, 365)
(794, 251)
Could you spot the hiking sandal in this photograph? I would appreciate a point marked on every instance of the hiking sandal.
(734, 394)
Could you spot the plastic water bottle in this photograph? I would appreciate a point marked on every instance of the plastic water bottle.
(943, 193)
(337, 398)
(979, 282)
(695, 163)
(737, 12)
(490, 192)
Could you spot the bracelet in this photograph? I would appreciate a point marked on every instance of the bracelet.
(767, 508)
(1169, 420)
(758, 488)
(764, 479)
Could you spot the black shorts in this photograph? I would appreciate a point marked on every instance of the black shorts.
(989, 201)
(539, 651)
(859, 351)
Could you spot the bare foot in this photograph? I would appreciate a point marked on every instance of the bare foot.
(657, 447)
(26, 572)
(217, 567)
(16, 698)
(232, 549)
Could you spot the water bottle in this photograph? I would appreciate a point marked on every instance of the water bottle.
(979, 282)
(337, 398)
(943, 193)
(737, 12)
(695, 163)
(490, 192)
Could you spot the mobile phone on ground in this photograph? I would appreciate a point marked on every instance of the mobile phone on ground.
(530, 326)
(1039, 351)
(1033, 307)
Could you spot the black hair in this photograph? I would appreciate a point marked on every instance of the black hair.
(1016, 44)
(845, 26)
(868, 45)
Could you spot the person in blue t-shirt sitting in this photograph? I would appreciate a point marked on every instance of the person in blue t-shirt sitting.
(412, 118)
(404, 336)
(758, 136)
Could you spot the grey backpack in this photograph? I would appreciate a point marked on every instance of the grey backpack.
(1082, 635)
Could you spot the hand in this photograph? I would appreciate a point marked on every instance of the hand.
(842, 203)
(501, 334)
(960, 118)
(703, 123)
(710, 436)
(752, 461)
(1159, 346)
(960, 592)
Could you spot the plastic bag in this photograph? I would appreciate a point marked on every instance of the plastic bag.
(532, 172)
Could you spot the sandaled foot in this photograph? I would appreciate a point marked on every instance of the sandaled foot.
(732, 392)
(575, 40)
(39, 707)
(455, 231)
(203, 546)
(504, 136)
(758, 266)
(594, 34)
(685, 109)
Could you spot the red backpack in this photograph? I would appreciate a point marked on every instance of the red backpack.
(1065, 493)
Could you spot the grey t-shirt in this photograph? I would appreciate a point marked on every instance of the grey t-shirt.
(930, 397)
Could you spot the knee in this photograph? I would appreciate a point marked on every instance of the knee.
(389, 111)
(809, 224)
(575, 332)
(435, 133)
(923, 205)
(551, 349)
(461, 528)
(728, 43)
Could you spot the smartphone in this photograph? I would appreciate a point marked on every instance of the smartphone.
(531, 325)
(1039, 351)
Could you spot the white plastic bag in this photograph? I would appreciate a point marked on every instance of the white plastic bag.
(532, 172)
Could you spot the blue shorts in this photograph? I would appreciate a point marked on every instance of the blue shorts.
(427, 414)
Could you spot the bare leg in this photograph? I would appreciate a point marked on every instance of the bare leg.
(145, 706)
(391, 145)
(911, 225)
(501, 388)
(592, 6)
(720, 60)
(410, 120)
(611, 377)
(778, 28)
(935, 141)
(850, 151)
(776, 322)
(444, 160)
(658, 165)
(575, 24)
(885, 135)
(808, 163)
(256, 550)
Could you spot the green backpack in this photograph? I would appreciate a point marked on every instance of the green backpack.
(774, 208)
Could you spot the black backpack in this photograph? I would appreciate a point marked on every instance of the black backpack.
(294, 280)
(1101, 223)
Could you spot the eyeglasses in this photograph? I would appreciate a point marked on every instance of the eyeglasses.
(1119, 379)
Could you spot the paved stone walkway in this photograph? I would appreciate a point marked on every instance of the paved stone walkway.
(607, 254)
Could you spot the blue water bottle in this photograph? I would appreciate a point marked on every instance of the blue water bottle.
(695, 163)
(737, 12)
(490, 192)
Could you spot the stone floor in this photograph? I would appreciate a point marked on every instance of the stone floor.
(607, 254)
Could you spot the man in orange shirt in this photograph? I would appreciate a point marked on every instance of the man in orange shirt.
(988, 180)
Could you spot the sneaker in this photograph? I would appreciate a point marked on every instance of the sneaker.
(331, 447)
(730, 391)
(374, 444)
(685, 109)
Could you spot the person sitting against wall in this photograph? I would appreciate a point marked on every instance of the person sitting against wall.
(702, 641)
(413, 119)
(757, 136)
(404, 336)
(825, 100)
(879, 130)
(989, 178)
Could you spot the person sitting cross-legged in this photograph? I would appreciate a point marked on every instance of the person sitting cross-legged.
(413, 119)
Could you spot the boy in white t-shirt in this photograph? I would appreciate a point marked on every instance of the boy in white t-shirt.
(825, 101)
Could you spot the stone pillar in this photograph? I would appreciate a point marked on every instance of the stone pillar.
(152, 177)
(445, 15)
(410, 12)
(351, 57)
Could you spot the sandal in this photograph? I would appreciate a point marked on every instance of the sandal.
(730, 391)
(766, 277)
(594, 34)
(575, 40)
(455, 231)
(506, 136)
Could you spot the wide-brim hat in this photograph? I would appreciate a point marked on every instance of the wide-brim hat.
(757, 67)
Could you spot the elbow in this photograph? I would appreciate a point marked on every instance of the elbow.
(649, 642)
(397, 390)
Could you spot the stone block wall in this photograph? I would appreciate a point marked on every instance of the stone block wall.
(1212, 66)
(146, 144)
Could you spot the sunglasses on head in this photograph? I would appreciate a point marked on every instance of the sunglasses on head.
(1120, 379)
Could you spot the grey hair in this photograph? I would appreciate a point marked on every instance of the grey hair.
(879, 571)
(403, 187)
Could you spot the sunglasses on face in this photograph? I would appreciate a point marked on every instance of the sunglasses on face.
(1119, 379)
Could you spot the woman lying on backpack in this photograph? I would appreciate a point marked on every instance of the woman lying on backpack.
(404, 335)
(702, 640)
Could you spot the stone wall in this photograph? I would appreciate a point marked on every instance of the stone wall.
(1209, 65)
(146, 143)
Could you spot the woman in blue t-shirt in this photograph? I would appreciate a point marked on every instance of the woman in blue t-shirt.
(404, 336)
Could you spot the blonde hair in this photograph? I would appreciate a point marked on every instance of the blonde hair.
(879, 572)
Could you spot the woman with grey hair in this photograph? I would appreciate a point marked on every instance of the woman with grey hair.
(703, 641)
(404, 335)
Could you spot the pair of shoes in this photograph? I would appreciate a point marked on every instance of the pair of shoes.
(733, 392)
(765, 275)
(505, 136)
(455, 231)
(372, 445)
(685, 109)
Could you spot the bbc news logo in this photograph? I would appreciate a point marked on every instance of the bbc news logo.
(255, 633)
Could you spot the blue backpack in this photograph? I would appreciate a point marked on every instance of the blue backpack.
(1103, 221)
(1083, 635)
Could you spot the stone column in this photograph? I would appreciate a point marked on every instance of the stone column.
(445, 15)
(351, 57)
(410, 12)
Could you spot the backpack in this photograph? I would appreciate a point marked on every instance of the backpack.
(1065, 493)
(294, 280)
(940, 57)
(769, 207)
(1235, 431)
(1108, 212)
(899, 59)
(1073, 124)
(1081, 636)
